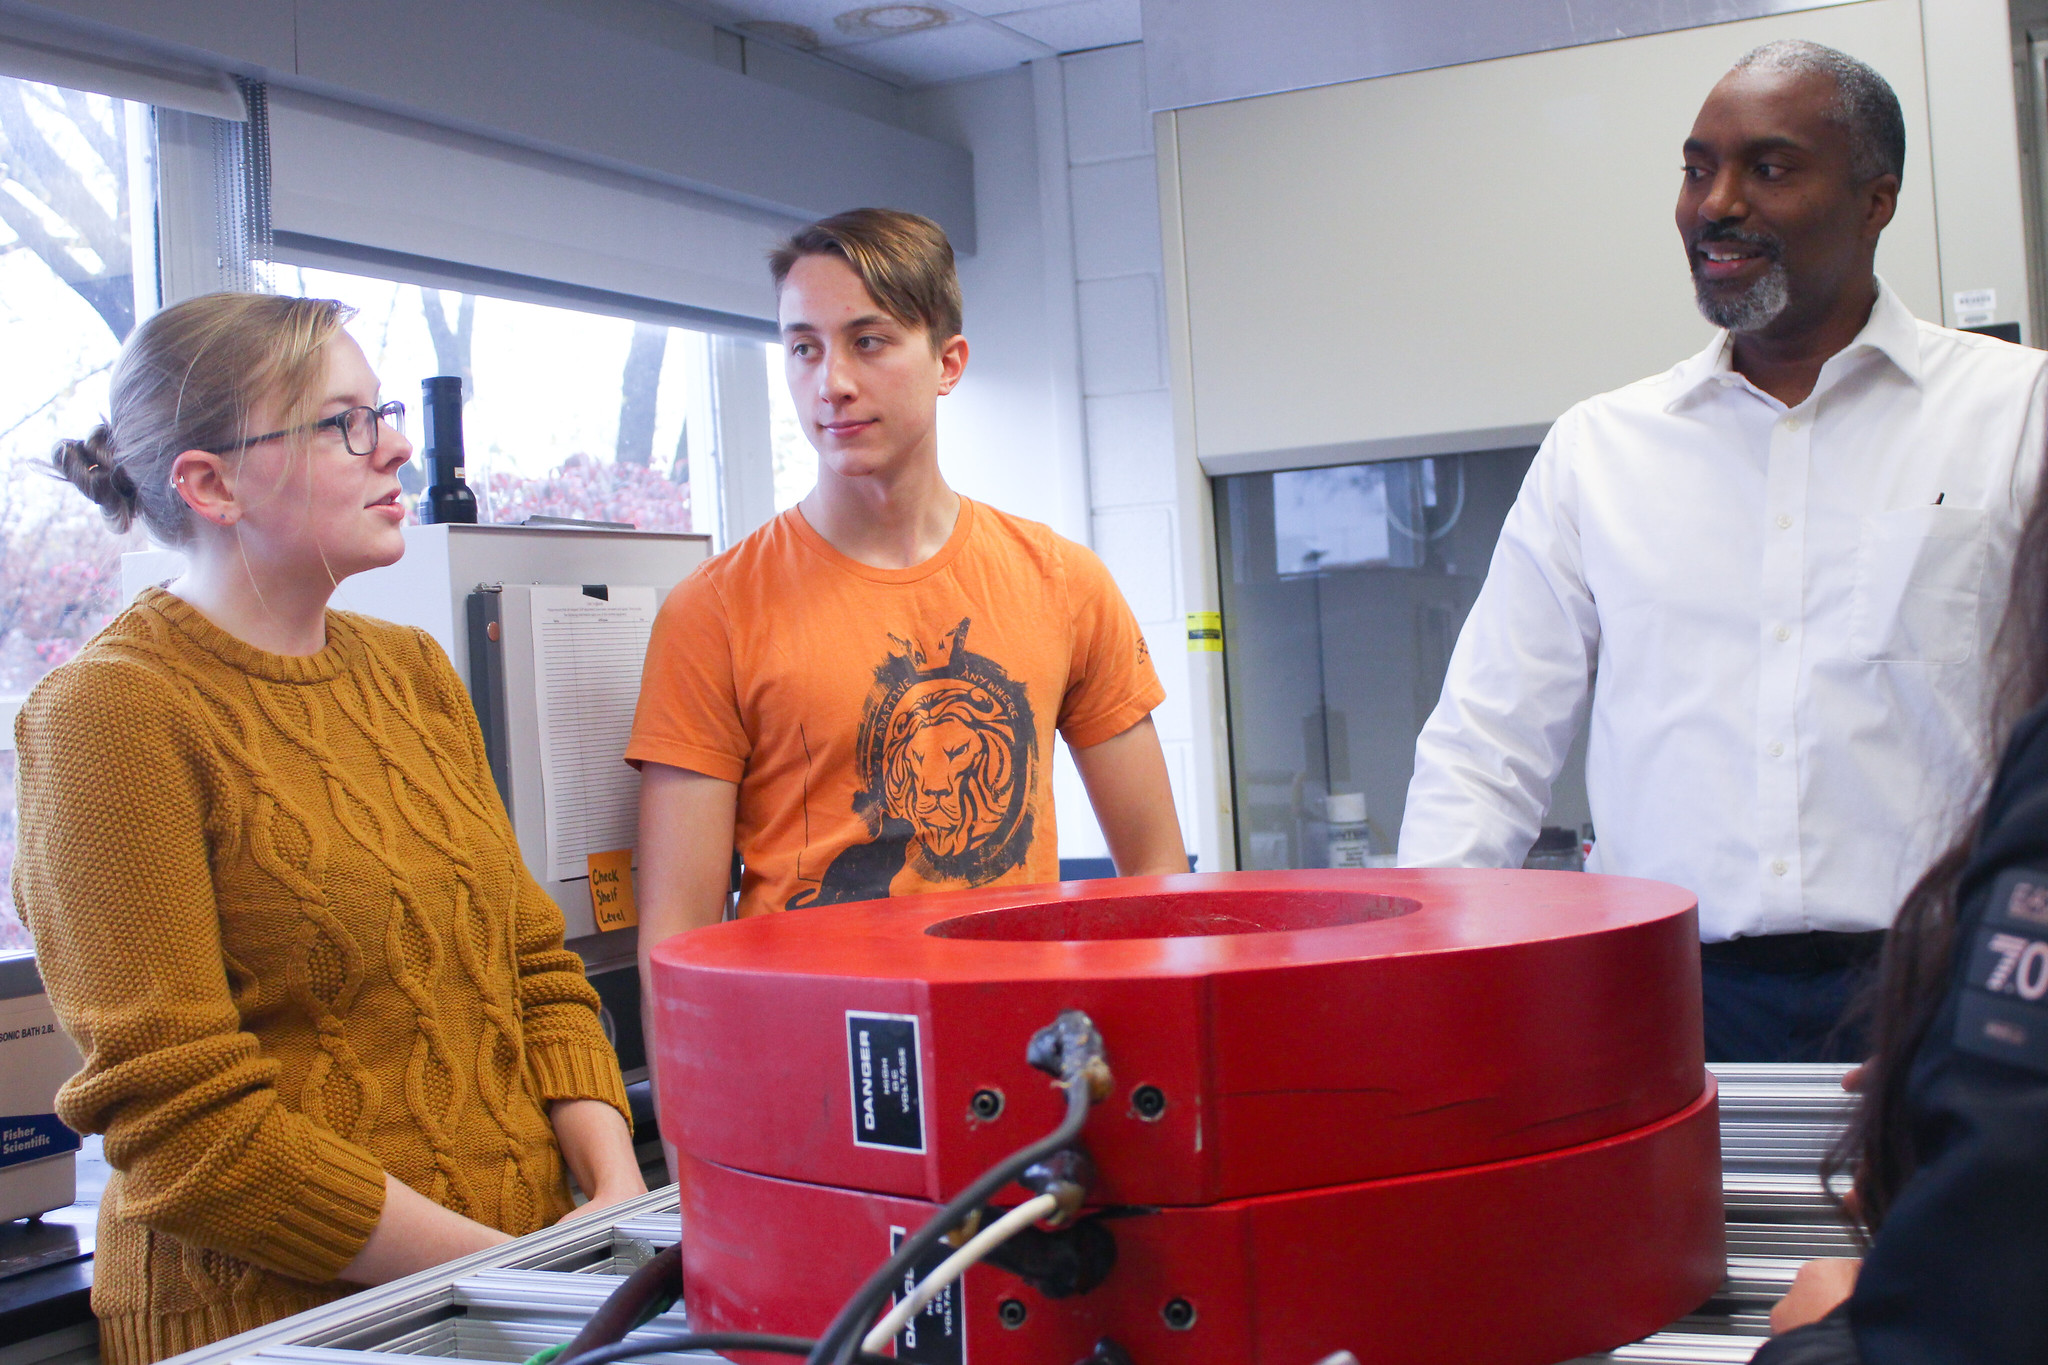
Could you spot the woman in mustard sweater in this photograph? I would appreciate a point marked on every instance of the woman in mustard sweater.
(330, 1029)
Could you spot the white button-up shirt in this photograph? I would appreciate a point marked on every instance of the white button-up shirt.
(1782, 619)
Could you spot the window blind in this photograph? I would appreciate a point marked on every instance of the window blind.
(354, 185)
(34, 51)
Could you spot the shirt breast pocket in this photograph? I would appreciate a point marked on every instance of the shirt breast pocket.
(1919, 574)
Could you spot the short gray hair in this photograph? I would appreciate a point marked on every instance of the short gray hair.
(1864, 107)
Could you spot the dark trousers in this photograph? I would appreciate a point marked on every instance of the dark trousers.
(1784, 998)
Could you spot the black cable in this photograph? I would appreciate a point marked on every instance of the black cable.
(1069, 1047)
(840, 1341)
(643, 1294)
(711, 1341)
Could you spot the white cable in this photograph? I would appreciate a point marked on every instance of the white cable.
(954, 1266)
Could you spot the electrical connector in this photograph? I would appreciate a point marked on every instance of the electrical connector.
(1070, 1050)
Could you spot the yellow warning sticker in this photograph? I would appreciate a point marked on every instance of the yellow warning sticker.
(1205, 632)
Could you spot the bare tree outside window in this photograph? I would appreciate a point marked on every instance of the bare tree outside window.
(639, 387)
(451, 339)
(65, 155)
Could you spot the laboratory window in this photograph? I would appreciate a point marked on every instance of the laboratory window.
(796, 463)
(566, 413)
(1344, 589)
(77, 271)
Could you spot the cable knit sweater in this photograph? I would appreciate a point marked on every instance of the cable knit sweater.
(280, 908)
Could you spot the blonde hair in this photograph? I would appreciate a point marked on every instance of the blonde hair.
(904, 260)
(186, 380)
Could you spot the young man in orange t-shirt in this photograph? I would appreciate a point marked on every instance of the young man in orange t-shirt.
(861, 696)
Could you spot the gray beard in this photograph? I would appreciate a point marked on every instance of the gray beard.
(1754, 309)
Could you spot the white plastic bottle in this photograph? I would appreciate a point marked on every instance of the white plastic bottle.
(1354, 841)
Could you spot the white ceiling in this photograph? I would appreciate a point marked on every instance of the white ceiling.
(928, 41)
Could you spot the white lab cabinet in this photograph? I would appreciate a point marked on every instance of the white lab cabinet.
(38, 1154)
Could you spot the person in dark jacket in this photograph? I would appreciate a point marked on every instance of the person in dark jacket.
(1950, 1140)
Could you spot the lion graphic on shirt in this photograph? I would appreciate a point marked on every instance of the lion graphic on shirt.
(949, 765)
(948, 754)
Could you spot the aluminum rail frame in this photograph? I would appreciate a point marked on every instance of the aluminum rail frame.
(507, 1303)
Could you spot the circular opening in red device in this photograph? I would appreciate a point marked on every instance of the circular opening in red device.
(1188, 914)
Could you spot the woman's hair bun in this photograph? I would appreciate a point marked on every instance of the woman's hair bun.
(91, 468)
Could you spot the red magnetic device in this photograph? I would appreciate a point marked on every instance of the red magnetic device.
(1443, 1117)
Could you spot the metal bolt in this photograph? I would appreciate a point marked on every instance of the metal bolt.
(986, 1104)
(1149, 1101)
(1179, 1314)
(1012, 1313)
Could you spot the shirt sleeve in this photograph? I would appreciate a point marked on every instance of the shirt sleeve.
(1955, 1273)
(1111, 684)
(566, 1049)
(2029, 461)
(1827, 1342)
(567, 1053)
(114, 878)
(1517, 685)
(688, 715)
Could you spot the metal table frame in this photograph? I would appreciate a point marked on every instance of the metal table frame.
(508, 1302)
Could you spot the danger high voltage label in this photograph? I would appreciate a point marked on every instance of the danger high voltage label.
(881, 1062)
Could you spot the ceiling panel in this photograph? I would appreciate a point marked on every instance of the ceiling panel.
(942, 54)
(838, 24)
(1076, 27)
(860, 23)
(827, 23)
(977, 36)
(995, 7)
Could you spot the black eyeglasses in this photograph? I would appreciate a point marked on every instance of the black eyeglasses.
(359, 428)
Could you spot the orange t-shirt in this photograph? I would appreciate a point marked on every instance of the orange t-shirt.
(891, 729)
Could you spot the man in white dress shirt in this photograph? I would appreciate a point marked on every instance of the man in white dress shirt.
(1774, 572)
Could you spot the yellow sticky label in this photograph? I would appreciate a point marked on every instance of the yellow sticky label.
(1205, 632)
(611, 889)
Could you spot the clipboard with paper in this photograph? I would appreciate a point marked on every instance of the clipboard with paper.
(563, 667)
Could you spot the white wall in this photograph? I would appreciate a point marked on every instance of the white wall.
(1974, 137)
(1142, 514)
(997, 434)
(1128, 408)
(1065, 415)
